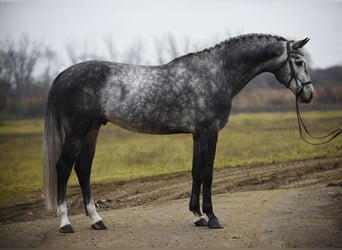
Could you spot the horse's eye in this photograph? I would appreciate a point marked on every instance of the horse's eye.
(299, 63)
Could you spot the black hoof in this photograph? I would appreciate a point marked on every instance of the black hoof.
(99, 226)
(67, 229)
(214, 224)
(201, 223)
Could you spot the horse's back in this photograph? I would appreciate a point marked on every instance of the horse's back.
(161, 99)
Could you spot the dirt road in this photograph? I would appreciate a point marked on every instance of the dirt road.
(297, 204)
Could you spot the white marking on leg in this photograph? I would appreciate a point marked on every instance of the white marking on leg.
(93, 215)
(63, 212)
(198, 217)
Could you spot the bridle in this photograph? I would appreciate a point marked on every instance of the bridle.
(301, 126)
(293, 74)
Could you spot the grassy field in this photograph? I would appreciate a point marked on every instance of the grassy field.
(249, 138)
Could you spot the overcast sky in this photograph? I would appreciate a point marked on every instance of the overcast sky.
(57, 23)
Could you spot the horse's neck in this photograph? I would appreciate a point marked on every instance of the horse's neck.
(246, 59)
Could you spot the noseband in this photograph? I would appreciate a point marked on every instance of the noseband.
(301, 126)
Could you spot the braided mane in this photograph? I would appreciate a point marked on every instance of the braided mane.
(233, 40)
(244, 37)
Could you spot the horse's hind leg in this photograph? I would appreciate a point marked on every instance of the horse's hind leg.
(83, 170)
(70, 151)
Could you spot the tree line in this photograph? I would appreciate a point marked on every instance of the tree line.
(27, 68)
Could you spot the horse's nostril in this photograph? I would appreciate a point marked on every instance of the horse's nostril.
(311, 96)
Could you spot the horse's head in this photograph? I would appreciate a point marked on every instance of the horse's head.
(293, 72)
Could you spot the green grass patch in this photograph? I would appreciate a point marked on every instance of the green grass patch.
(249, 138)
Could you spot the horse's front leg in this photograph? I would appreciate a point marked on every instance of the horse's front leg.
(196, 184)
(208, 141)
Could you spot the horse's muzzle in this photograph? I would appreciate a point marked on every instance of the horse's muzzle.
(305, 93)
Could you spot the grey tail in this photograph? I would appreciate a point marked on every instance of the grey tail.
(52, 147)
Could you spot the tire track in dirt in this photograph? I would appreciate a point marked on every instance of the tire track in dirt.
(258, 177)
(158, 189)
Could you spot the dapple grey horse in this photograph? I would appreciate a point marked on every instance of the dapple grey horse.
(191, 94)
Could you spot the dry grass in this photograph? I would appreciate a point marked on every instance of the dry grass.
(250, 138)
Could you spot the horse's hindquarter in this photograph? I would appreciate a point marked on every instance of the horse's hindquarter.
(158, 99)
(75, 93)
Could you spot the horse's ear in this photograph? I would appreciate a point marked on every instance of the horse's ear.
(300, 43)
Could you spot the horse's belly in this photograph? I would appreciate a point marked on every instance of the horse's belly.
(152, 121)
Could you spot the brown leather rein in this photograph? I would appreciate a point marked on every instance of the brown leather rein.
(301, 125)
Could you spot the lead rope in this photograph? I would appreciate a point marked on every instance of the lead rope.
(328, 137)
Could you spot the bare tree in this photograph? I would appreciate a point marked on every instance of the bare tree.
(77, 53)
(49, 69)
(4, 88)
(160, 49)
(18, 61)
(71, 53)
(167, 48)
(186, 44)
(134, 53)
(172, 47)
(5, 77)
(111, 48)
